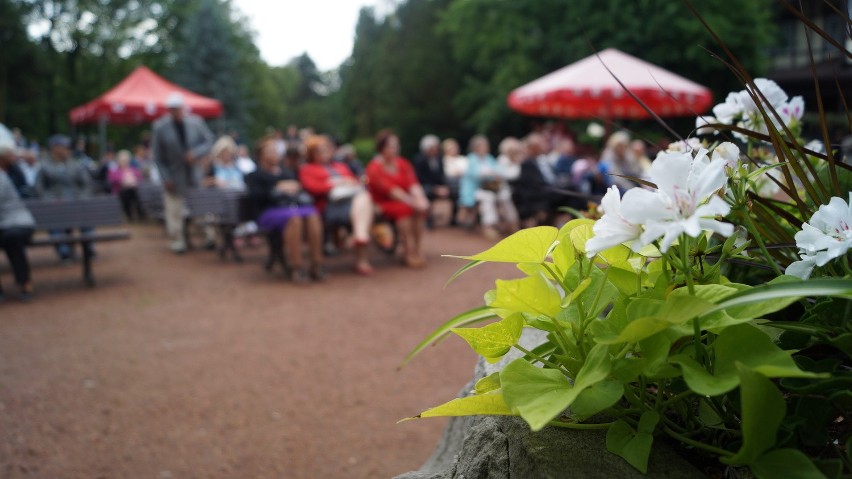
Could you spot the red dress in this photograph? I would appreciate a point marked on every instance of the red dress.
(316, 179)
(381, 182)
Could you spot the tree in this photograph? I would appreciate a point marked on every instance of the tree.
(207, 60)
(506, 44)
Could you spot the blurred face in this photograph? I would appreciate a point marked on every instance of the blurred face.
(177, 113)
(324, 153)
(268, 155)
(451, 149)
(391, 148)
(480, 147)
(60, 152)
(226, 156)
(638, 148)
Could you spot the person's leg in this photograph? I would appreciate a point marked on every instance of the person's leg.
(14, 241)
(508, 210)
(173, 206)
(488, 216)
(63, 250)
(418, 229)
(126, 205)
(88, 247)
(405, 230)
(314, 228)
(362, 220)
(293, 234)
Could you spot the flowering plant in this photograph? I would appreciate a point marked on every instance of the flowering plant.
(672, 316)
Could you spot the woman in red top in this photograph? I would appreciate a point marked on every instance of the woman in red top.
(339, 195)
(398, 194)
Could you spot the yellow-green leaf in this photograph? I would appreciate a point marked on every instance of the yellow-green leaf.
(482, 404)
(532, 294)
(526, 246)
(493, 340)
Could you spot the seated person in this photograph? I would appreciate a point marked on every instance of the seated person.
(16, 222)
(339, 196)
(64, 178)
(224, 172)
(284, 206)
(485, 185)
(124, 181)
(398, 194)
(429, 166)
(536, 192)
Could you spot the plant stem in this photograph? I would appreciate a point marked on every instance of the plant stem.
(759, 240)
(540, 359)
(685, 263)
(696, 444)
(576, 425)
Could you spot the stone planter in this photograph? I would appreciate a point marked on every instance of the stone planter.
(494, 447)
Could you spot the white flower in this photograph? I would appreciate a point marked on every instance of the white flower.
(702, 125)
(595, 130)
(826, 236)
(740, 108)
(684, 146)
(730, 110)
(613, 228)
(793, 110)
(728, 152)
(685, 200)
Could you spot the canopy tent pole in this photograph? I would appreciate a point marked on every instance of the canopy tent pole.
(102, 122)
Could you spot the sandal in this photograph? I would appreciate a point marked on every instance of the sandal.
(364, 269)
(318, 274)
(298, 276)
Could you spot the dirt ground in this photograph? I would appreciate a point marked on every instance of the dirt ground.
(191, 367)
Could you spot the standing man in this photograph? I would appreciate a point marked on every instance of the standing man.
(179, 141)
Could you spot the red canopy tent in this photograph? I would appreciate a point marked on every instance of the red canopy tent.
(585, 89)
(141, 98)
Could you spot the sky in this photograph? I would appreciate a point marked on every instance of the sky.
(325, 29)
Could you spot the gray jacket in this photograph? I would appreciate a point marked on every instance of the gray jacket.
(13, 212)
(169, 155)
(63, 180)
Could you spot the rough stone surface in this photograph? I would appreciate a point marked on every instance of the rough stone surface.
(495, 447)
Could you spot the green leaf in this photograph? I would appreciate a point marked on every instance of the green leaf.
(532, 294)
(768, 298)
(494, 340)
(462, 270)
(487, 384)
(633, 446)
(763, 409)
(473, 316)
(540, 395)
(744, 344)
(481, 404)
(526, 246)
(597, 398)
(653, 316)
(786, 463)
(580, 235)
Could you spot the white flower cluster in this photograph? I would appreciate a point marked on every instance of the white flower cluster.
(685, 201)
(741, 110)
(826, 236)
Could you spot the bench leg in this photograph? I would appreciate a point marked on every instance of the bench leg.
(227, 233)
(88, 277)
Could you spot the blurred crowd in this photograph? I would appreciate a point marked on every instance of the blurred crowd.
(321, 197)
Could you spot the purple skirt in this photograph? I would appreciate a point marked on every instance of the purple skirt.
(275, 218)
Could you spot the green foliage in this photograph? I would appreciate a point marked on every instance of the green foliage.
(652, 364)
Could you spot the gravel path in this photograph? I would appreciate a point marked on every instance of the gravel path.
(190, 367)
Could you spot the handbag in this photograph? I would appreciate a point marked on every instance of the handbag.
(343, 192)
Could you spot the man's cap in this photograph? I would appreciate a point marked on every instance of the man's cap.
(174, 100)
(59, 140)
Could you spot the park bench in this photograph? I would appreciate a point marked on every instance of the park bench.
(151, 200)
(69, 216)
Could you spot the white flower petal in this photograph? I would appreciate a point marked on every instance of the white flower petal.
(801, 269)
